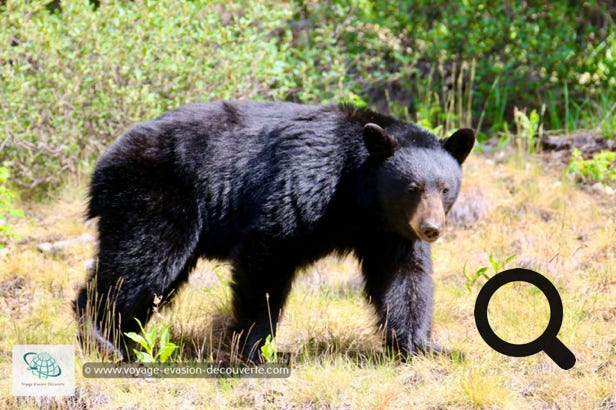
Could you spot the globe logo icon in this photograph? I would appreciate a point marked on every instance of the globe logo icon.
(42, 365)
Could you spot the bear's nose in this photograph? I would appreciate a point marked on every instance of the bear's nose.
(431, 230)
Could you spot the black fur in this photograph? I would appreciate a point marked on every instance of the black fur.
(270, 187)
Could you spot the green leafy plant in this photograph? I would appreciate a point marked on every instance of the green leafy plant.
(497, 265)
(269, 349)
(473, 277)
(601, 167)
(156, 343)
(528, 129)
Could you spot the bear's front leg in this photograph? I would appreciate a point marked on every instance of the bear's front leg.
(398, 281)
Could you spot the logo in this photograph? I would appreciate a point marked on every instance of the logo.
(43, 370)
(547, 342)
(42, 365)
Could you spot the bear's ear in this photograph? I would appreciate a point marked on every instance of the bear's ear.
(460, 144)
(378, 142)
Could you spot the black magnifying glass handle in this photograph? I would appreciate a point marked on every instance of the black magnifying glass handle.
(560, 354)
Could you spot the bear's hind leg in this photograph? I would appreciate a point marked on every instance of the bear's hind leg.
(146, 250)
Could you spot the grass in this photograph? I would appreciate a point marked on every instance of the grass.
(536, 213)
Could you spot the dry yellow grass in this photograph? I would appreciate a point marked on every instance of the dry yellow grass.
(535, 213)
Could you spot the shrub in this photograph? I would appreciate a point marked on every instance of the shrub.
(439, 59)
(74, 78)
(600, 167)
(73, 81)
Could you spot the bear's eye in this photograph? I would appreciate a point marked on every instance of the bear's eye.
(443, 188)
(414, 187)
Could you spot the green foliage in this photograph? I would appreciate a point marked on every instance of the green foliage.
(435, 57)
(471, 279)
(73, 80)
(156, 343)
(496, 263)
(601, 167)
(7, 203)
(499, 263)
(528, 129)
(269, 350)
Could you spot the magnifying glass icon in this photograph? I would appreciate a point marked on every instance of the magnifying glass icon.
(547, 342)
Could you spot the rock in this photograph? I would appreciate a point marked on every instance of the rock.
(47, 247)
(555, 143)
(90, 264)
(469, 209)
(588, 143)
(601, 189)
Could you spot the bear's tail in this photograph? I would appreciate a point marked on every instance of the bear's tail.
(99, 187)
(94, 208)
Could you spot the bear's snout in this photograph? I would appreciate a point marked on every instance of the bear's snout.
(428, 218)
(431, 231)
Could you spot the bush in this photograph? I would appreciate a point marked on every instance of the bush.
(73, 81)
(601, 167)
(474, 61)
(76, 77)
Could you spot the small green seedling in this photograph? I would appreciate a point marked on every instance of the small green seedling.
(269, 350)
(497, 264)
(154, 352)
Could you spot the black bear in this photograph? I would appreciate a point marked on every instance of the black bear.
(270, 187)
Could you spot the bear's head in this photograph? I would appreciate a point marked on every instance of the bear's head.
(417, 176)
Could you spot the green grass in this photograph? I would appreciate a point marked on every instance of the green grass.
(547, 222)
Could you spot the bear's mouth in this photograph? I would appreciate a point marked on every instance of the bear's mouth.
(430, 236)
